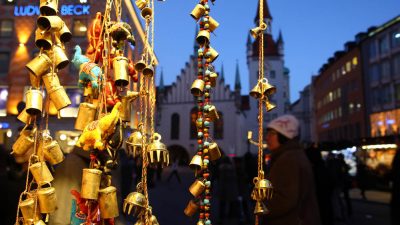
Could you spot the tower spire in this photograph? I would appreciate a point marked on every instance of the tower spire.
(161, 85)
(267, 14)
(222, 72)
(238, 86)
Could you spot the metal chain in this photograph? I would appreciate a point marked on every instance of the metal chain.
(260, 101)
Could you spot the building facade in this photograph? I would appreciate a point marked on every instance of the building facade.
(303, 111)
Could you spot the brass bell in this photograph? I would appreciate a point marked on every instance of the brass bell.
(213, 54)
(200, 222)
(47, 199)
(39, 65)
(90, 183)
(35, 80)
(269, 106)
(53, 153)
(43, 39)
(50, 23)
(64, 34)
(197, 87)
(39, 222)
(25, 117)
(260, 209)
(196, 163)
(59, 57)
(126, 101)
(198, 11)
(134, 144)
(59, 97)
(146, 13)
(203, 37)
(255, 32)
(86, 114)
(135, 201)
(23, 158)
(153, 220)
(108, 204)
(148, 71)
(263, 189)
(256, 92)
(50, 81)
(24, 142)
(191, 208)
(141, 4)
(213, 79)
(48, 7)
(213, 24)
(267, 88)
(41, 173)
(157, 152)
(213, 113)
(120, 67)
(140, 65)
(197, 188)
(34, 102)
(214, 152)
(29, 209)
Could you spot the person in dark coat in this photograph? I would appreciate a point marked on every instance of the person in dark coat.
(294, 201)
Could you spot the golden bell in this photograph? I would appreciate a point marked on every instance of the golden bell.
(47, 199)
(213, 24)
(59, 56)
(23, 158)
(140, 65)
(263, 189)
(255, 32)
(48, 7)
(108, 203)
(25, 117)
(41, 173)
(141, 4)
(126, 101)
(214, 152)
(43, 39)
(29, 210)
(50, 81)
(90, 183)
(24, 142)
(267, 88)
(50, 23)
(213, 113)
(153, 220)
(200, 222)
(39, 65)
(213, 79)
(260, 209)
(198, 11)
(196, 163)
(34, 102)
(59, 97)
(134, 144)
(213, 54)
(135, 201)
(86, 114)
(197, 188)
(256, 92)
(39, 222)
(203, 37)
(269, 106)
(148, 71)
(147, 13)
(64, 35)
(197, 87)
(157, 152)
(53, 153)
(120, 67)
(191, 208)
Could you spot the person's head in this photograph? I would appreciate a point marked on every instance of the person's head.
(281, 130)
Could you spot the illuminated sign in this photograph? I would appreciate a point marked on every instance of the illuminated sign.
(65, 10)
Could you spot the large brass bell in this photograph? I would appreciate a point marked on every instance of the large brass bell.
(120, 67)
(148, 71)
(108, 203)
(135, 201)
(147, 13)
(39, 65)
(34, 102)
(267, 88)
(50, 81)
(24, 142)
(90, 183)
(197, 188)
(157, 152)
(256, 92)
(50, 23)
(213, 113)
(197, 87)
(141, 4)
(47, 199)
(212, 54)
(48, 7)
(126, 101)
(260, 209)
(140, 65)
(43, 39)
(214, 152)
(269, 106)
(29, 209)
(86, 114)
(134, 144)
(59, 97)
(41, 173)
(191, 208)
(203, 37)
(196, 163)
(59, 57)
(64, 34)
(198, 11)
(213, 24)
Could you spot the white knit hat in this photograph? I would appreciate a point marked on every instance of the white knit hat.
(287, 125)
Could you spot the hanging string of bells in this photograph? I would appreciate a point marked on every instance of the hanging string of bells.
(35, 145)
(263, 189)
(207, 149)
(144, 142)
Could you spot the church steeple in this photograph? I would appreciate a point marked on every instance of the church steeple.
(266, 14)
(280, 43)
(161, 85)
(238, 85)
(222, 72)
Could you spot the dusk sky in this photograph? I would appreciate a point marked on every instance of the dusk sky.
(312, 31)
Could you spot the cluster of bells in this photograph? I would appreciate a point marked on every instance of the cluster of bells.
(262, 192)
(135, 204)
(262, 91)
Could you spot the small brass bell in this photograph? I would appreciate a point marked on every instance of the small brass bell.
(198, 11)
(260, 209)
(24, 142)
(146, 13)
(263, 189)
(120, 67)
(255, 32)
(203, 37)
(53, 153)
(47, 199)
(197, 87)
(90, 183)
(267, 88)
(59, 97)
(200, 222)
(213, 54)
(135, 201)
(64, 34)
(213, 113)
(25, 117)
(108, 204)
(197, 188)
(141, 4)
(196, 163)
(148, 71)
(50, 23)
(86, 114)
(213, 24)
(269, 106)
(214, 152)
(134, 144)
(48, 7)
(191, 208)
(39, 65)
(28, 211)
(34, 102)
(140, 65)
(43, 39)
(59, 56)
(153, 220)
(50, 81)
(41, 173)
(125, 115)
(157, 152)
(213, 79)
(256, 92)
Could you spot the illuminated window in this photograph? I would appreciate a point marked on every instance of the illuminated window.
(6, 28)
(175, 126)
(8, 2)
(355, 62)
(3, 100)
(330, 96)
(396, 39)
(79, 28)
(4, 62)
(193, 128)
(348, 67)
(343, 70)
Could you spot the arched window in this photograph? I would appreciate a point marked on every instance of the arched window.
(219, 127)
(193, 128)
(175, 126)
